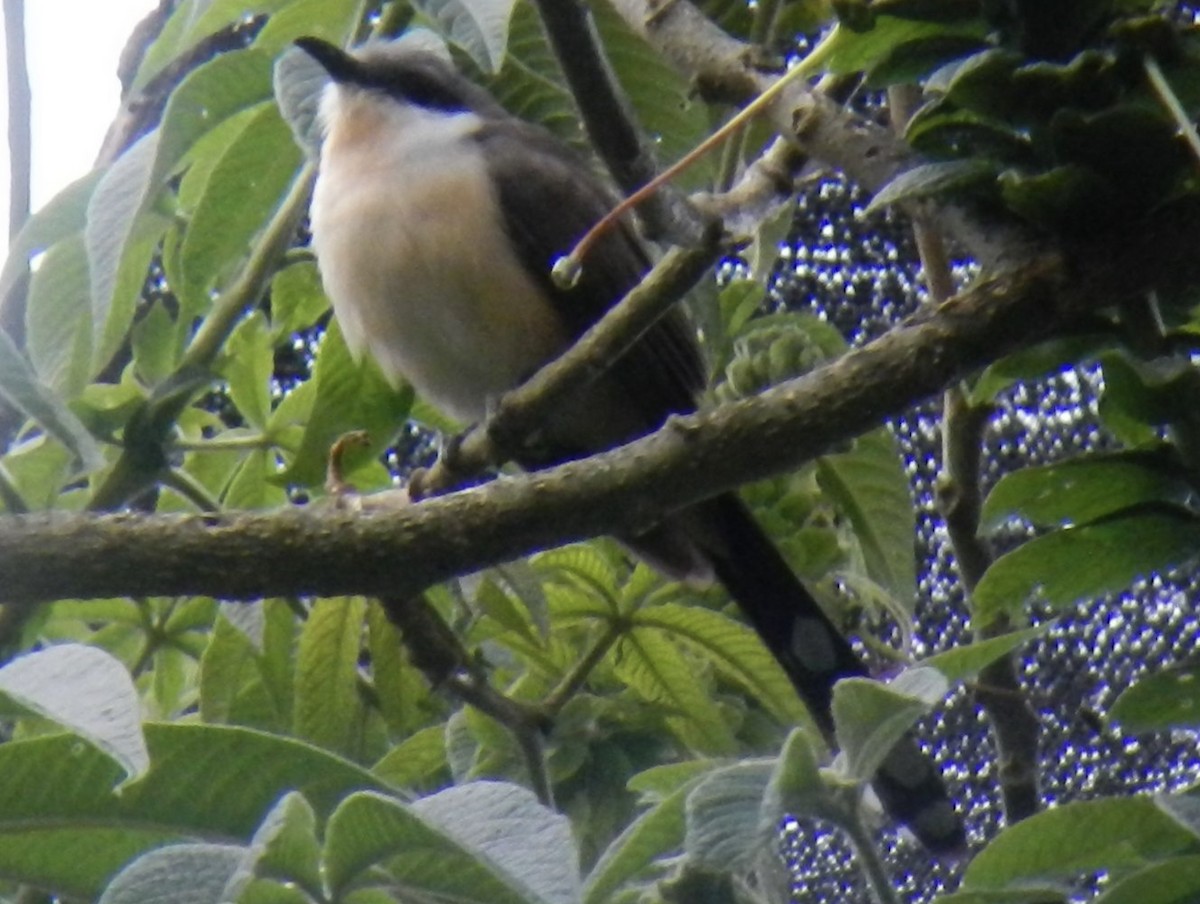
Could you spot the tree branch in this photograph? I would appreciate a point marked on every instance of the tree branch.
(380, 550)
(522, 410)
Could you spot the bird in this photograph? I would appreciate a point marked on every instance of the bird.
(436, 219)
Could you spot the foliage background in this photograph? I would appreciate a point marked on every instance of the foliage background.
(681, 717)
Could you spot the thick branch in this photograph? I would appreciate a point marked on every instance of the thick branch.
(327, 550)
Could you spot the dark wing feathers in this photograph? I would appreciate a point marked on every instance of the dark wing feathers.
(663, 372)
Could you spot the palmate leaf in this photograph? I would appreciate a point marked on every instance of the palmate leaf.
(736, 652)
(651, 663)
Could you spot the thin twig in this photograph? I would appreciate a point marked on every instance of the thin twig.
(437, 652)
(525, 408)
(959, 499)
(609, 119)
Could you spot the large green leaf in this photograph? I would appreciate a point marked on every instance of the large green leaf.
(61, 218)
(1112, 835)
(351, 395)
(241, 194)
(1166, 699)
(63, 827)
(329, 708)
(653, 835)
(735, 650)
(480, 27)
(870, 716)
(1083, 490)
(484, 842)
(725, 825)
(89, 692)
(868, 484)
(1174, 881)
(1079, 563)
(653, 665)
(58, 318)
(20, 386)
(178, 874)
(122, 232)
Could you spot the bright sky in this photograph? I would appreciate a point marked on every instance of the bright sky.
(73, 48)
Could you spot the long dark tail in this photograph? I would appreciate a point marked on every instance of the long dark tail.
(815, 655)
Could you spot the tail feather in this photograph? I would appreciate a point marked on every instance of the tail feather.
(815, 655)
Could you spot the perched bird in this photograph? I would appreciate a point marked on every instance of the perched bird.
(436, 219)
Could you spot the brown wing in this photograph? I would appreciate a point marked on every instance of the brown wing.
(549, 198)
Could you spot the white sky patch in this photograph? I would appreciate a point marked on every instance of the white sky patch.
(73, 48)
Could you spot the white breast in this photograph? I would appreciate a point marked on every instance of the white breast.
(413, 257)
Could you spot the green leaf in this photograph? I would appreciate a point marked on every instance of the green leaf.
(208, 96)
(335, 22)
(1029, 895)
(64, 829)
(232, 686)
(725, 825)
(1112, 835)
(25, 392)
(870, 717)
(651, 664)
(58, 318)
(1083, 490)
(89, 692)
(251, 486)
(416, 760)
(1166, 699)
(241, 194)
(530, 83)
(350, 396)
(913, 61)
(190, 23)
(155, 349)
(404, 698)
(1079, 563)
(247, 363)
(654, 834)
(297, 300)
(480, 27)
(178, 874)
(1065, 197)
(796, 785)
(869, 485)
(964, 662)
(484, 842)
(1035, 362)
(735, 650)
(329, 708)
(286, 845)
(662, 98)
(116, 231)
(860, 51)
(1175, 881)
(64, 216)
(932, 179)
